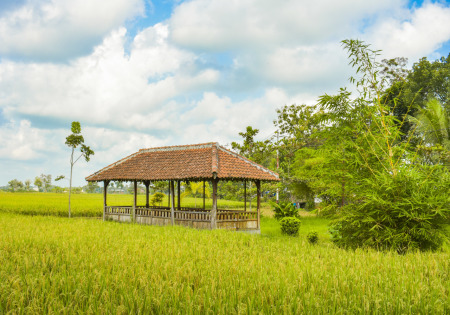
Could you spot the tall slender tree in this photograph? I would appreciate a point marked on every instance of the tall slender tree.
(74, 141)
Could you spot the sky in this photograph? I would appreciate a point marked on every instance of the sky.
(140, 73)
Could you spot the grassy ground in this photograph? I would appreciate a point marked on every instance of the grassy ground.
(50, 264)
(88, 205)
(59, 265)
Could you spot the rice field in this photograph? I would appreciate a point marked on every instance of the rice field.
(86, 205)
(52, 264)
(58, 265)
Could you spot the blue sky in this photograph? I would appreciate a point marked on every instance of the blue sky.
(140, 73)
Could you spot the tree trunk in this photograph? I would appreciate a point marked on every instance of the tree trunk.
(70, 181)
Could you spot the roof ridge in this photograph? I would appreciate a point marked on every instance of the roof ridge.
(180, 147)
(215, 159)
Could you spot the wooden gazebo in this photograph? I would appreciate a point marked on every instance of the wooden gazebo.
(200, 162)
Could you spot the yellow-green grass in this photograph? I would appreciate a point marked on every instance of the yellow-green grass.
(59, 265)
(90, 205)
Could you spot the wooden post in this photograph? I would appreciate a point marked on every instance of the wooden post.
(214, 204)
(258, 200)
(172, 197)
(178, 194)
(168, 197)
(245, 195)
(133, 218)
(105, 193)
(147, 191)
(204, 187)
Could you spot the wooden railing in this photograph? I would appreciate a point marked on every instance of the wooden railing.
(163, 212)
(193, 215)
(121, 210)
(236, 215)
(184, 214)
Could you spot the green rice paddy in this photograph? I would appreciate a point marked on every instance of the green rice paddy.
(50, 264)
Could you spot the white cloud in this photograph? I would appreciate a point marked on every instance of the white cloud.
(168, 85)
(108, 87)
(215, 118)
(418, 34)
(61, 29)
(23, 142)
(303, 68)
(260, 24)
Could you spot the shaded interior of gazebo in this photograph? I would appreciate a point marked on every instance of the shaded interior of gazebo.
(208, 162)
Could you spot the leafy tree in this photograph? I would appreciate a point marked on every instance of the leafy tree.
(394, 70)
(57, 189)
(432, 126)
(388, 200)
(157, 198)
(260, 152)
(119, 185)
(73, 141)
(297, 125)
(91, 187)
(406, 95)
(38, 183)
(44, 182)
(15, 185)
(27, 185)
(76, 190)
(160, 186)
(196, 188)
(257, 151)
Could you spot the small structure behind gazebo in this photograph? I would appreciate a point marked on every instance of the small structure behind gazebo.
(189, 163)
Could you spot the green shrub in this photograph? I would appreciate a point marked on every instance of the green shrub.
(406, 212)
(284, 209)
(290, 226)
(157, 198)
(312, 237)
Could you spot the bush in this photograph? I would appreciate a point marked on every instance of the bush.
(157, 198)
(312, 237)
(284, 209)
(406, 212)
(290, 226)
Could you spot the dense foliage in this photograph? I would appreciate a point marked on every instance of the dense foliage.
(376, 155)
(284, 209)
(312, 237)
(390, 199)
(290, 226)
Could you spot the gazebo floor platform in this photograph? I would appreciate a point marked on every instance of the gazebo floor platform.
(198, 218)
